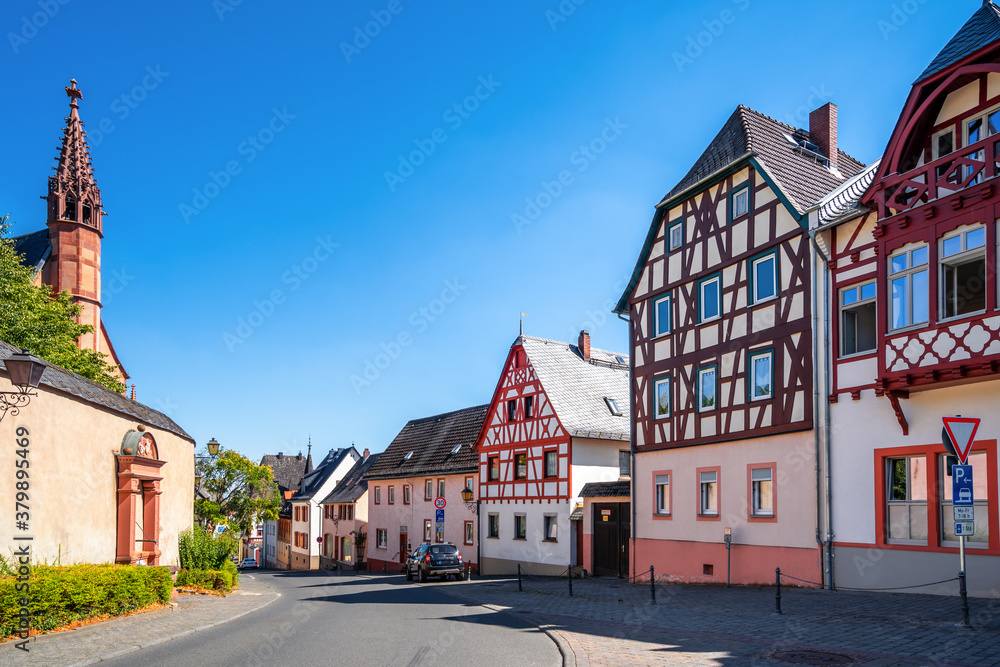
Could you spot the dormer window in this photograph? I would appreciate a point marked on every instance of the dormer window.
(613, 406)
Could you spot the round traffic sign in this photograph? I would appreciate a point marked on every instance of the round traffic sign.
(319, 539)
(439, 503)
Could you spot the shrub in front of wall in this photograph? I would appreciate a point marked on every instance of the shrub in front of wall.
(59, 596)
(214, 580)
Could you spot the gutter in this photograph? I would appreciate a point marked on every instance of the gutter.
(631, 426)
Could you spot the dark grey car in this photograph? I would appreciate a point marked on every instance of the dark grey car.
(435, 560)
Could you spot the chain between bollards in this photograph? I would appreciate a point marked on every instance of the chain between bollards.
(569, 575)
(519, 589)
(652, 585)
(777, 590)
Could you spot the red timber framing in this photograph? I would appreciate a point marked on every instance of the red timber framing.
(532, 437)
(921, 197)
(714, 245)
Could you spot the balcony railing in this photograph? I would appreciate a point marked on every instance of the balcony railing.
(952, 173)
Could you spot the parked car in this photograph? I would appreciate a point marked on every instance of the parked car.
(435, 560)
(248, 564)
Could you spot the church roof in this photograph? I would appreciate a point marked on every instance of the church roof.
(577, 389)
(982, 29)
(432, 441)
(34, 248)
(74, 170)
(67, 382)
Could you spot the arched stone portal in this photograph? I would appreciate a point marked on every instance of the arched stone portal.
(139, 493)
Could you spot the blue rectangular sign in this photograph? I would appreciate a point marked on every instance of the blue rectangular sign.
(961, 486)
(439, 516)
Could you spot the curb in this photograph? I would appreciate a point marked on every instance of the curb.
(177, 635)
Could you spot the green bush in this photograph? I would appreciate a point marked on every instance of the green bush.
(62, 595)
(201, 550)
(216, 580)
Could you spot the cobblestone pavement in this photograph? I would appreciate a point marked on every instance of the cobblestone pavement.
(93, 643)
(611, 622)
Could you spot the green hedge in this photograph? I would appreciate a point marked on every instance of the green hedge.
(217, 580)
(61, 595)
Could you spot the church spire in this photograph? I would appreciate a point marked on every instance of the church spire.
(73, 193)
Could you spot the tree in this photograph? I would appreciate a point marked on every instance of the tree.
(237, 492)
(32, 318)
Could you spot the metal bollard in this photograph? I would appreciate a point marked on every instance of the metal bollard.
(519, 589)
(652, 585)
(965, 601)
(569, 575)
(777, 590)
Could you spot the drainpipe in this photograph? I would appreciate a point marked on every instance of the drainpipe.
(828, 543)
(631, 403)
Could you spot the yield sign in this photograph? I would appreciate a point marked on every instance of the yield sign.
(961, 432)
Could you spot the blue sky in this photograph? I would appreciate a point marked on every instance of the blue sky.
(294, 192)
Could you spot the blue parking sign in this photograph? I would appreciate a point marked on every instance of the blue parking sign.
(961, 486)
(439, 516)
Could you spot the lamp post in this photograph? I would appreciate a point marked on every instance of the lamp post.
(25, 371)
(473, 506)
(213, 451)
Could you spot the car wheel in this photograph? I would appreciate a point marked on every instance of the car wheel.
(423, 577)
(460, 576)
(409, 575)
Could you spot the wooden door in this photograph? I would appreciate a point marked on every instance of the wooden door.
(612, 525)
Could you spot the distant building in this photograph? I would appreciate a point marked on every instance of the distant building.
(345, 518)
(307, 509)
(288, 472)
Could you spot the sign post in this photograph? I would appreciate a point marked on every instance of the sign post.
(728, 537)
(439, 521)
(958, 436)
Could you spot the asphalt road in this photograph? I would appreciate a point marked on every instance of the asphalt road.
(321, 619)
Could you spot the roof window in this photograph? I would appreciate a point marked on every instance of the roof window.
(613, 406)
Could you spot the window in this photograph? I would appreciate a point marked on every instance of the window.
(429, 489)
(529, 403)
(857, 319)
(350, 512)
(977, 129)
(662, 484)
(661, 398)
(661, 315)
(511, 410)
(552, 463)
(963, 273)
(455, 450)
(624, 463)
(428, 534)
(392, 495)
(409, 455)
(613, 406)
(706, 389)
(378, 495)
(406, 494)
(906, 497)
(381, 538)
(494, 473)
(440, 488)
(494, 526)
(709, 484)
(676, 235)
(764, 277)
(296, 512)
(469, 532)
(550, 527)
(943, 143)
(520, 527)
(739, 203)
(761, 496)
(980, 492)
(468, 484)
(710, 298)
(908, 287)
(521, 466)
(761, 375)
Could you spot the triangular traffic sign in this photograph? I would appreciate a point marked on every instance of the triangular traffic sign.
(962, 432)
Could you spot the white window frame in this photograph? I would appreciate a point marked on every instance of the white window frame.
(909, 502)
(907, 274)
(657, 329)
(708, 479)
(752, 380)
(713, 372)
(935, 153)
(550, 528)
(758, 477)
(657, 383)
(978, 155)
(754, 263)
(391, 494)
(964, 256)
(661, 494)
(843, 307)
(744, 193)
(717, 281)
(520, 520)
(381, 538)
(678, 225)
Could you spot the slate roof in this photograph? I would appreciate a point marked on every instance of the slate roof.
(577, 388)
(980, 30)
(312, 482)
(354, 484)
(803, 179)
(288, 470)
(61, 380)
(34, 248)
(845, 201)
(431, 440)
(606, 489)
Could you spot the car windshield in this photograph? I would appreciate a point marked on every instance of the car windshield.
(443, 550)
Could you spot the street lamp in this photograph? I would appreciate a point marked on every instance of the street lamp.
(213, 451)
(25, 371)
(471, 505)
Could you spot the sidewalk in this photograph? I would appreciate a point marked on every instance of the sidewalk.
(610, 622)
(101, 641)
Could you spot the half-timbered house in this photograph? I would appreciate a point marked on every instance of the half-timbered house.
(910, 252)
(345, 518)
(559, 419)
(307, 508)
(720, 316)
(429, 463)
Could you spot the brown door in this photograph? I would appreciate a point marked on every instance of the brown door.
(611, 535)
(402, 547)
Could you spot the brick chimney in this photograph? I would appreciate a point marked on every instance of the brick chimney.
(823, 130)
(365, 456)
(584, 344)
